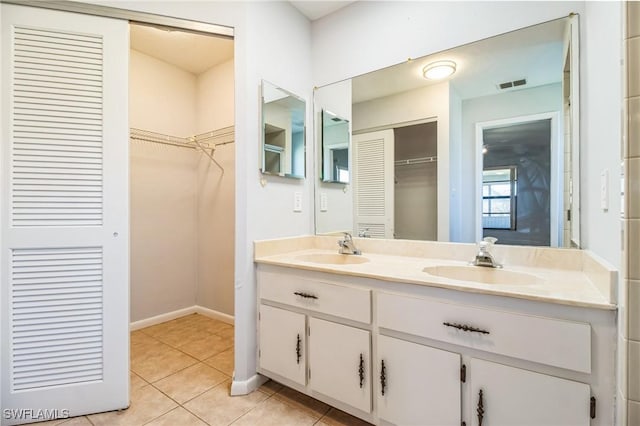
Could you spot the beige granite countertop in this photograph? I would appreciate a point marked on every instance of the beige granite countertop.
(562, 276)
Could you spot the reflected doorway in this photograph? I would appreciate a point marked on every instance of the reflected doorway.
(521, 182)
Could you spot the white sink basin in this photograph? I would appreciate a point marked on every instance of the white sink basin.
(332, 259)
(483, 275)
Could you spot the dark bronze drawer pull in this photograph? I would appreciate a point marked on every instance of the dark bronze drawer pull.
(480, 408)
(383, 377)
(361, 371)
(298, 349)
(305, 295)
(465, 327)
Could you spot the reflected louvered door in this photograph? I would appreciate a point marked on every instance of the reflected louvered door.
(373, 182)
(64, 163)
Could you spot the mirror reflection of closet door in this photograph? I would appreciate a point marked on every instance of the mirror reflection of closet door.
(373, 169)
(64, 162)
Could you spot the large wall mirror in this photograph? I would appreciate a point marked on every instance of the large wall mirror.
(479, 140)
(283, 132)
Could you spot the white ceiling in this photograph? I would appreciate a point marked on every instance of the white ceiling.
(317, 9)
(191, 52)
(534, 53)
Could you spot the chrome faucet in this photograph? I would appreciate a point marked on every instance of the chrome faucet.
(364, 233)
(347, 246)
(484, 256)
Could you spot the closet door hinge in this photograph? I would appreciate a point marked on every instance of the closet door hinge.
(259, 353)
(259, 315)
(309, 330)
(592, 407)
(463, 373)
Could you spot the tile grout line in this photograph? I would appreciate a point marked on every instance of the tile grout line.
(261, 402)
(158, 339)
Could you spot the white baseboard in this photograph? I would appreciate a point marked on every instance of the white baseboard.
(247, 386)
(136, 325)
(147, 322)
(215, 314)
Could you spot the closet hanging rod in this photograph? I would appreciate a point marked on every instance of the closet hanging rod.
(205, 142)
(420, 160)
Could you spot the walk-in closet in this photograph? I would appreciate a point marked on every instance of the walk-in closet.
(416, 181)
(181, 117)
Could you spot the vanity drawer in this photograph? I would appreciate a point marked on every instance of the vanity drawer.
(332, 299)
(555, 342)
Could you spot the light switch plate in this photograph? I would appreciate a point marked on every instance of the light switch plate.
(323, 202)
(297, 201)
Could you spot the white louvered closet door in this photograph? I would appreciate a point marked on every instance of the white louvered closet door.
(64, 214)
(373, 180)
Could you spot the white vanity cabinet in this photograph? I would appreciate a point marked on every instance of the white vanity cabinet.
(307, 338)
(418, 385)
(392, 353)
(283, 343)
(340, 362)
(506, 396)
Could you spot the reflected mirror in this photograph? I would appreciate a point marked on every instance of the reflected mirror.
(283, 132)
(335, 148)
(492, 149)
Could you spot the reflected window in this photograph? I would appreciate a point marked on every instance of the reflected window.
(499, 187)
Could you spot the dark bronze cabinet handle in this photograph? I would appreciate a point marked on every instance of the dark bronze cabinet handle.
(298, 349)
(480, 409)
(465, 327)
(305, 295)
(383, 377)
(361, 371)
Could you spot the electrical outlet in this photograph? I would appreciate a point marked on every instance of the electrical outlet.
(297, 201)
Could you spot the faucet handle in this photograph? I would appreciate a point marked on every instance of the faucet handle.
(490, 240)
(347, 236)
(364, 233)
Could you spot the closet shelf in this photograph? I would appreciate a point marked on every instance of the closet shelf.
(420, 160)
(205, 142)
(208, 140)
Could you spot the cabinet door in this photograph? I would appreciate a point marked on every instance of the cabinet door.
(339, 363)
(282, 343)
(421, 384)
(512, 396)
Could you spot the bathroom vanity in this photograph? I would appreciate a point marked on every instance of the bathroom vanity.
(409, 333)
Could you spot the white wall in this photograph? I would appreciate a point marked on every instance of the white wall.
(216, 192)
(430, 102)
(163, 205)
(161, 97)
(215, 98)
(278, 50)
(600, 126)
(487, 108)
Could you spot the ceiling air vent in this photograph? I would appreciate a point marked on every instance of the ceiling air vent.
(512, 84)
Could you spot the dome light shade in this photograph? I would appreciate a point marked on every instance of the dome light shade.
(439, 70)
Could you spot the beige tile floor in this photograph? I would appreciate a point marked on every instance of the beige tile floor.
(181, 374)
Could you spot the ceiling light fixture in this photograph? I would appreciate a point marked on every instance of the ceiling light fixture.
(438, 70)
